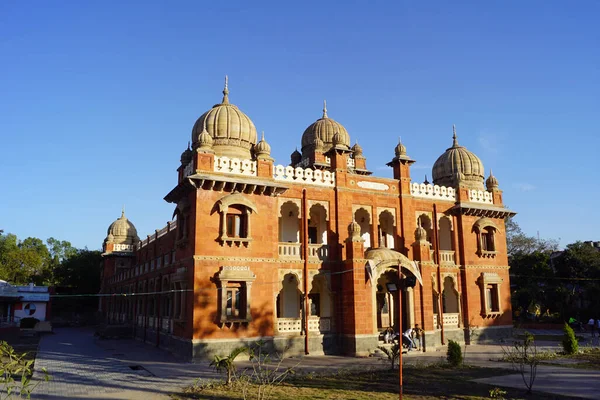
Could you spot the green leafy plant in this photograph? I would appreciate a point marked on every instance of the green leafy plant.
(392, 353)
(15, 374)
(497, 393)
(454, 354)
(226, 364)
(569, 343)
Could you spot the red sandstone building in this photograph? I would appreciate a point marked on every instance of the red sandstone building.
(313, 255)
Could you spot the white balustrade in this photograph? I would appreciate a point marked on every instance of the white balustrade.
(320, 251)
(350, 162)
(447, 257)
(289, 250)
(304, 175)
(123, 247)
(235, 166)
(450, 320)
(166, 324)
(432, 191)
(315, 324)
(480, 196)
(140, 320)
(294, 251)
(289, 325)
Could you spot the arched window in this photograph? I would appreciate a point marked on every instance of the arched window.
(235, 210)
(486, 231)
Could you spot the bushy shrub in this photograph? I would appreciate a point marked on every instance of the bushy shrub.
(28, 322)
(454, 354)
(569, 342)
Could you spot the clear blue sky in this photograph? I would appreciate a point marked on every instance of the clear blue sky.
(98, 99)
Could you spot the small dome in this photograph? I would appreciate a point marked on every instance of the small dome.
(456, 165)
(318, 144)
(186, 156)
(325, 129)
(296, 157)
(232, 131)
(420, 234)
(358, 151)
(491, 182)
(205, 141)
(400, 149)
(122, 231)
(262, 148)
(354, 230)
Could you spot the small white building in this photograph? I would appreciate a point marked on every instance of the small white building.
(17, 302)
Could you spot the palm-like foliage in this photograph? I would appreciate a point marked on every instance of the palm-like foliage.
(226, 363)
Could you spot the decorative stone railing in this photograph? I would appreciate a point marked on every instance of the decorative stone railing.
(235, 166)
(447, 257)
(140, 320)
(124, 247)
(432, 191)
(285, 325)
(294, 251)
(166, 324)
(289, 250)
(304, 175)
(351, 162)
(188, 169)
(315, 324)
(450, 320)
(171, 226)
(480, 196)
(319, 251)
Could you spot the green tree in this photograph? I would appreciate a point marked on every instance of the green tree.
(81, 271)
(24, 261)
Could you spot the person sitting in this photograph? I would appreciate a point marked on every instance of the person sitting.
(388, 335)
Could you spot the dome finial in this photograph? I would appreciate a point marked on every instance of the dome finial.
(426, 181)
(123, 211)
(454, 139)
(226, 91)
(324, 108)
(263, 135)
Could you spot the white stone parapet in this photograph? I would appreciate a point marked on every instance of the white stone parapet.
(432, 191)
(304, 175)
(480, 196)
(235, 166)
(124, 247)
(351, 162)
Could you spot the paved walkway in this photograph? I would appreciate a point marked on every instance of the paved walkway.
(83, 367)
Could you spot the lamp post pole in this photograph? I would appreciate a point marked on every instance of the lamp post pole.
(400, 329)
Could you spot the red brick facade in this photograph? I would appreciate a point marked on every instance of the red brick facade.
(250, 241)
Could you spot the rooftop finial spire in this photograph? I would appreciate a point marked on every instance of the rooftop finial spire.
(123, 211)
(454, 140)
(226, 91)
(324, 108)
(263, 136)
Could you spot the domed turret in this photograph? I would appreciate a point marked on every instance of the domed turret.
(122, 231)
(491, 183)
(205, 142)
(296, 157)
(400, 149)
(318, 145)
(186, 156)
(357, 149)
(420, 234)
(354, 231)
(458, 165)
(325, 129)
(232, 131)
(262, 148)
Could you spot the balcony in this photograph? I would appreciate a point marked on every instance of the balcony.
(294, 325)
(293, 251)
(447, 257)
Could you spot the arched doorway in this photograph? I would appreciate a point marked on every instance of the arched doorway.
(390, 273)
